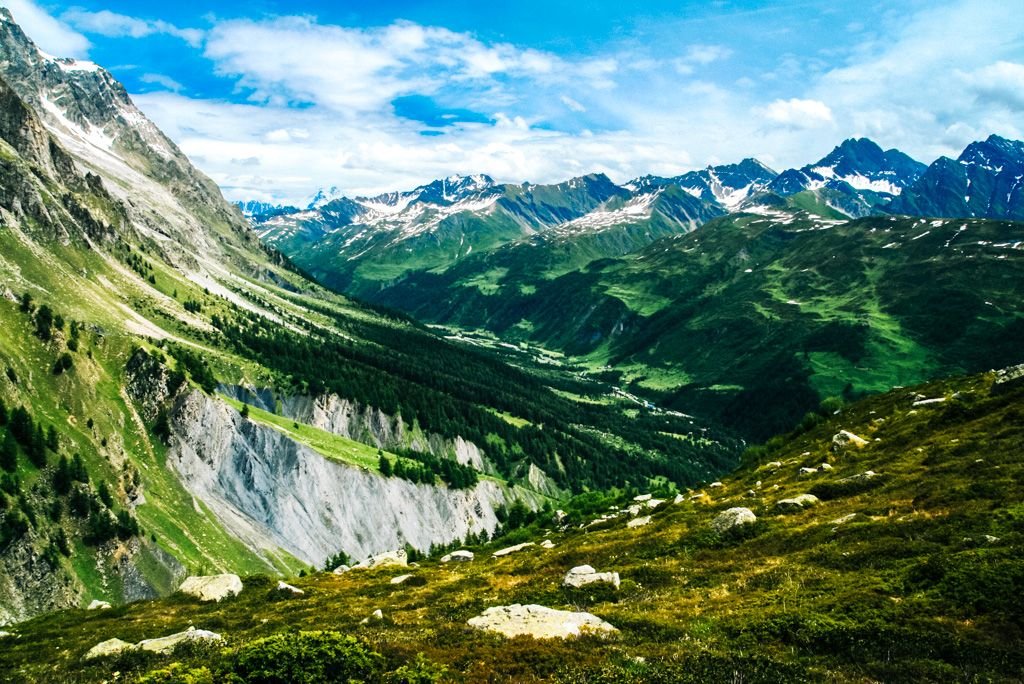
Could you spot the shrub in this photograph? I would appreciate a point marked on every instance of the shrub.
(419, 671)
(305, 658)
(177, 673)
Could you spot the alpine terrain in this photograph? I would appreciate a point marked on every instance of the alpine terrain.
(735, 424)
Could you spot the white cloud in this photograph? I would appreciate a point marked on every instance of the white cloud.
(162, 80)
(111, 24)
(1001, 83)
(796, 113)
(706, 54)
(572, 104)
(52, 36)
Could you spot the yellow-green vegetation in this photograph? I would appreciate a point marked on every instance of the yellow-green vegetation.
(913, 574)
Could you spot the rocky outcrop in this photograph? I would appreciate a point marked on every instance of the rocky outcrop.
(212, 587)
(539, 622)
(272, 492)
(458, 557)
(582, 575)
(160, 645)
(797, 503)
(391, 558)
(733, 517)
(845, 439)
(512, 549)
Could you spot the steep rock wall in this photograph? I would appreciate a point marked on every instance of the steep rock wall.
(273, 492)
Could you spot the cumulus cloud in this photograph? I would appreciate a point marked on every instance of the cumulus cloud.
(796, 113)
(1001, 83)
(50, 34)
(111, 24)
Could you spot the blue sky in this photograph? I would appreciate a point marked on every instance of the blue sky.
(275, 100)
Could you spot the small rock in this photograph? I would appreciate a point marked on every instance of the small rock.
(341, 569)
(773, 465)
(375, 616)
(398, 558)
(5, 634)
(808, 471)
(559, 517)
(539, 622)
(797, 502)
(547, 544)
(512, 549)
(583, 575)
(715, 485)
(295, 591)
(989, 539)
(634, 510)
(212, 587)
(860, 477)
(845, 438)
(733, 517)
(929, 402)
(679, 499)
(642, 498)
(845, 519)
(654, 503)
(400, 579)
(98, 605)
(457, 557)
(825, 466)
(639, 522)
(107, 648)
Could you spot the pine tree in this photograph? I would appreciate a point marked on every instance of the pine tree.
(62, 477)
(36, 451)
(9, 453)
(385, 466)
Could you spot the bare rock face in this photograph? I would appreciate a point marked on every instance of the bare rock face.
(212, 587)
(583, 575)
(539, 622)
(733, 517)
(272, 492)
(845, 439)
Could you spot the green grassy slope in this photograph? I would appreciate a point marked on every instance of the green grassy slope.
(775, 311)
(913, 575)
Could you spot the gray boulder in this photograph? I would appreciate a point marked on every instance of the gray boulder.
(733, 517)
(458, 557)
(583, 575)
(797, 503)
(539, 622)
(391, 558)
(212, 587)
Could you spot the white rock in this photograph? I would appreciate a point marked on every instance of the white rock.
(583, 575)
(797, 502)
(212, 587)
(634, 509)
(547, 544)
(375, 616)
(826, 466)
(295, 591)
(98, 605)
(458, 557)
(559, 517)
(400, 579)
(642, 498)
(773, 465)
(512, 549)
(341, 569)
(845, 438)
(391, 558)
(679, 499)
(728, 519)
(4, 634)
(639, 522)
(654, 503)
(107, 648)
(716, 485)
(929, 402)
(808, 471)
(539, 622)
(167, 644)
(845, 519)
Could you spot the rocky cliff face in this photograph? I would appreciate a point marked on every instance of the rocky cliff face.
(275, 493)
(361, 423)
